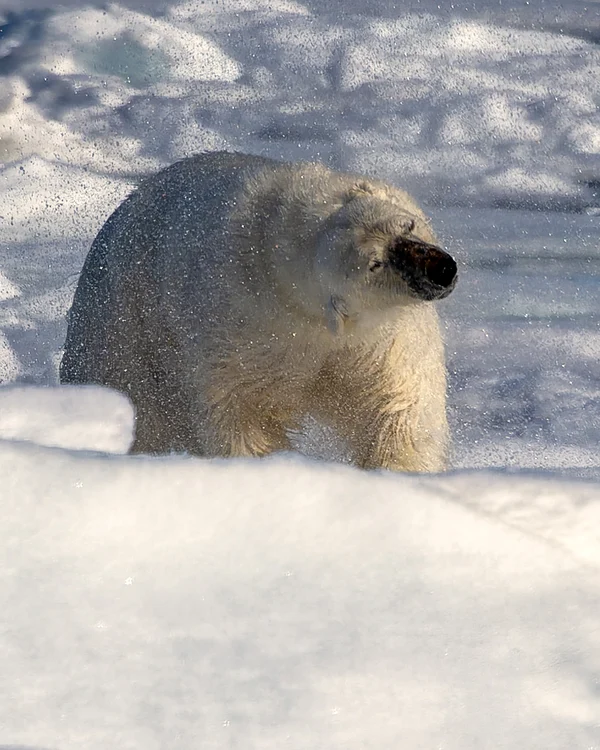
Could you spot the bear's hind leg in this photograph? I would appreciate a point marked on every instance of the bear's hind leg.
(148, 376)
(162, 424)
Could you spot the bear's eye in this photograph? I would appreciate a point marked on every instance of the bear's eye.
(375, 264)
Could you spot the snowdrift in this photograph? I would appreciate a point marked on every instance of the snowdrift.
(282, 603)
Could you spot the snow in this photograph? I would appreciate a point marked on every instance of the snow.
(196, 602)
(490, 112)
(293, 601)
(83, 417)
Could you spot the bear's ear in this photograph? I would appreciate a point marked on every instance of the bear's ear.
(360, 189)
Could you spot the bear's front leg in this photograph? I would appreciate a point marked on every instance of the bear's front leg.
(243, 416)
(396, 441)
(387, 415)
(243, 429)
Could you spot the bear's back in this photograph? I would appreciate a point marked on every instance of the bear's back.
(174, 223)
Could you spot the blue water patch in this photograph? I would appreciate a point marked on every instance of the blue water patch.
(127, 59)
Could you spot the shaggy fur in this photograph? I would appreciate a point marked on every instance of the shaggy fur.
(230, 296)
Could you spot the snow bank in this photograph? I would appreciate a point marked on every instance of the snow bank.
(282, 603)
(81, 417)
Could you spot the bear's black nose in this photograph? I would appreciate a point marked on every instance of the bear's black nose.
(429, 271)
(440, 267)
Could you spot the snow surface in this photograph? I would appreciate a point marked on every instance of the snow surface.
(463, 110)
(292, 602)
(180, 603)
(81, 417)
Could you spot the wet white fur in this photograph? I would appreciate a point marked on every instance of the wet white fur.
(230, 297)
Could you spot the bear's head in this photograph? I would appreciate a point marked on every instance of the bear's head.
(375, 252)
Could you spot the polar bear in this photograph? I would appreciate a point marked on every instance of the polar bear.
(231, 296)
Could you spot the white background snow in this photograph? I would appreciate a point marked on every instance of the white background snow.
(148, 604)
